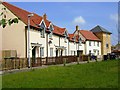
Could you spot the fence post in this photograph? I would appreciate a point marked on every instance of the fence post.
(40, 61)
(88, 59)
(5, 64)
(78, 60)
(19, 63)
(64, 61)
(96, 59)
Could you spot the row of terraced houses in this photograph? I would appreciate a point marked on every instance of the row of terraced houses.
(48, 39)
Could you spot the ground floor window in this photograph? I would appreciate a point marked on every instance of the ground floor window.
(98, 52)
(73, 52)
(51, 52)
(65, 51)
(41, 51)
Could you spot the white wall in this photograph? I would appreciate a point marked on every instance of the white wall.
(72, 48)
(81, 47)
(35, 37)
(13, 37)
(65, 44)
(55, 42)
(92, 47)
(0, 36)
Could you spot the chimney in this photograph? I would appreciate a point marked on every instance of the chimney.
(45, 16)
(77, 28)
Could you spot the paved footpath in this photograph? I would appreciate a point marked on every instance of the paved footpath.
(40, 67)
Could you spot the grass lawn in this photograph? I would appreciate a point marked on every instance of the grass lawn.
(91, 75)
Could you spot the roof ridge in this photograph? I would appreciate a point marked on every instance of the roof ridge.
(4, 3)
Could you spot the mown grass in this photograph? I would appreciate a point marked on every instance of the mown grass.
(91, 75)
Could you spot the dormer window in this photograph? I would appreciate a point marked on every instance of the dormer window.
(51, 31)
(42, 30)
(80, 41)
(66, 35)
(65, 39)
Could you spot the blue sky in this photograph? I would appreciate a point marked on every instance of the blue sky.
(85, 14)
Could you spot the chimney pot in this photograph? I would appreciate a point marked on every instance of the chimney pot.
(77, 28)
(45, 16)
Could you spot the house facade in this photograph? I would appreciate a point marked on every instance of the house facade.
(92, 43)
(46, 38)
(105, 37)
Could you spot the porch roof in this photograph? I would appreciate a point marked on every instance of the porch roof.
(36, 44)
(60, 47)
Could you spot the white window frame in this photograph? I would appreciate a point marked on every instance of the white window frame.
(42, 31)
(94, 43)
(41, 51)
(89, 43)
(51, 31)
(98, 44)
(51, 52)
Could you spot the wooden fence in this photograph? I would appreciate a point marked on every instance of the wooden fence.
(60, 59)
(18, 63)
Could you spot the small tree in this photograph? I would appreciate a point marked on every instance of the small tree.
(4, 21)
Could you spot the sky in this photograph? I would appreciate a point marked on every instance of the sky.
(84, 14)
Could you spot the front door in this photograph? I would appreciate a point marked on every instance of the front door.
(33, 55)
(79, 52)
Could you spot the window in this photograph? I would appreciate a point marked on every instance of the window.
(80, 41)
(94, 43)
(50, 35)
(89, 43)
(51, 52)
(98, 52)
(74, 52)
(41, 51)
(65, 51)
(42, 34)
(107, 46)
(51, 29)
(42, 30)
(65, 39)
(98, 44)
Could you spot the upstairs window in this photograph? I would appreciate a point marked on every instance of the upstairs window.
(65, 39)
(50, 35)
(94, 43)
(98, 44)
(89, 43)
(107, 45)
(42, 30)
(80, 41)
(51, 31)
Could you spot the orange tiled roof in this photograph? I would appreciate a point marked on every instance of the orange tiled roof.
(34, 21)
(59, 31)
(89, 35)
(71, 36)
(23, 14)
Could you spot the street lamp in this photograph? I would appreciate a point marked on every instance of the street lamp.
(29, 15)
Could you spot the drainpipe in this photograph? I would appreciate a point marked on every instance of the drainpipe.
(68, 47)
(47, 47)
(59, 46)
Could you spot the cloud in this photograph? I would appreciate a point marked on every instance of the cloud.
(79, 20)
(114, 17)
